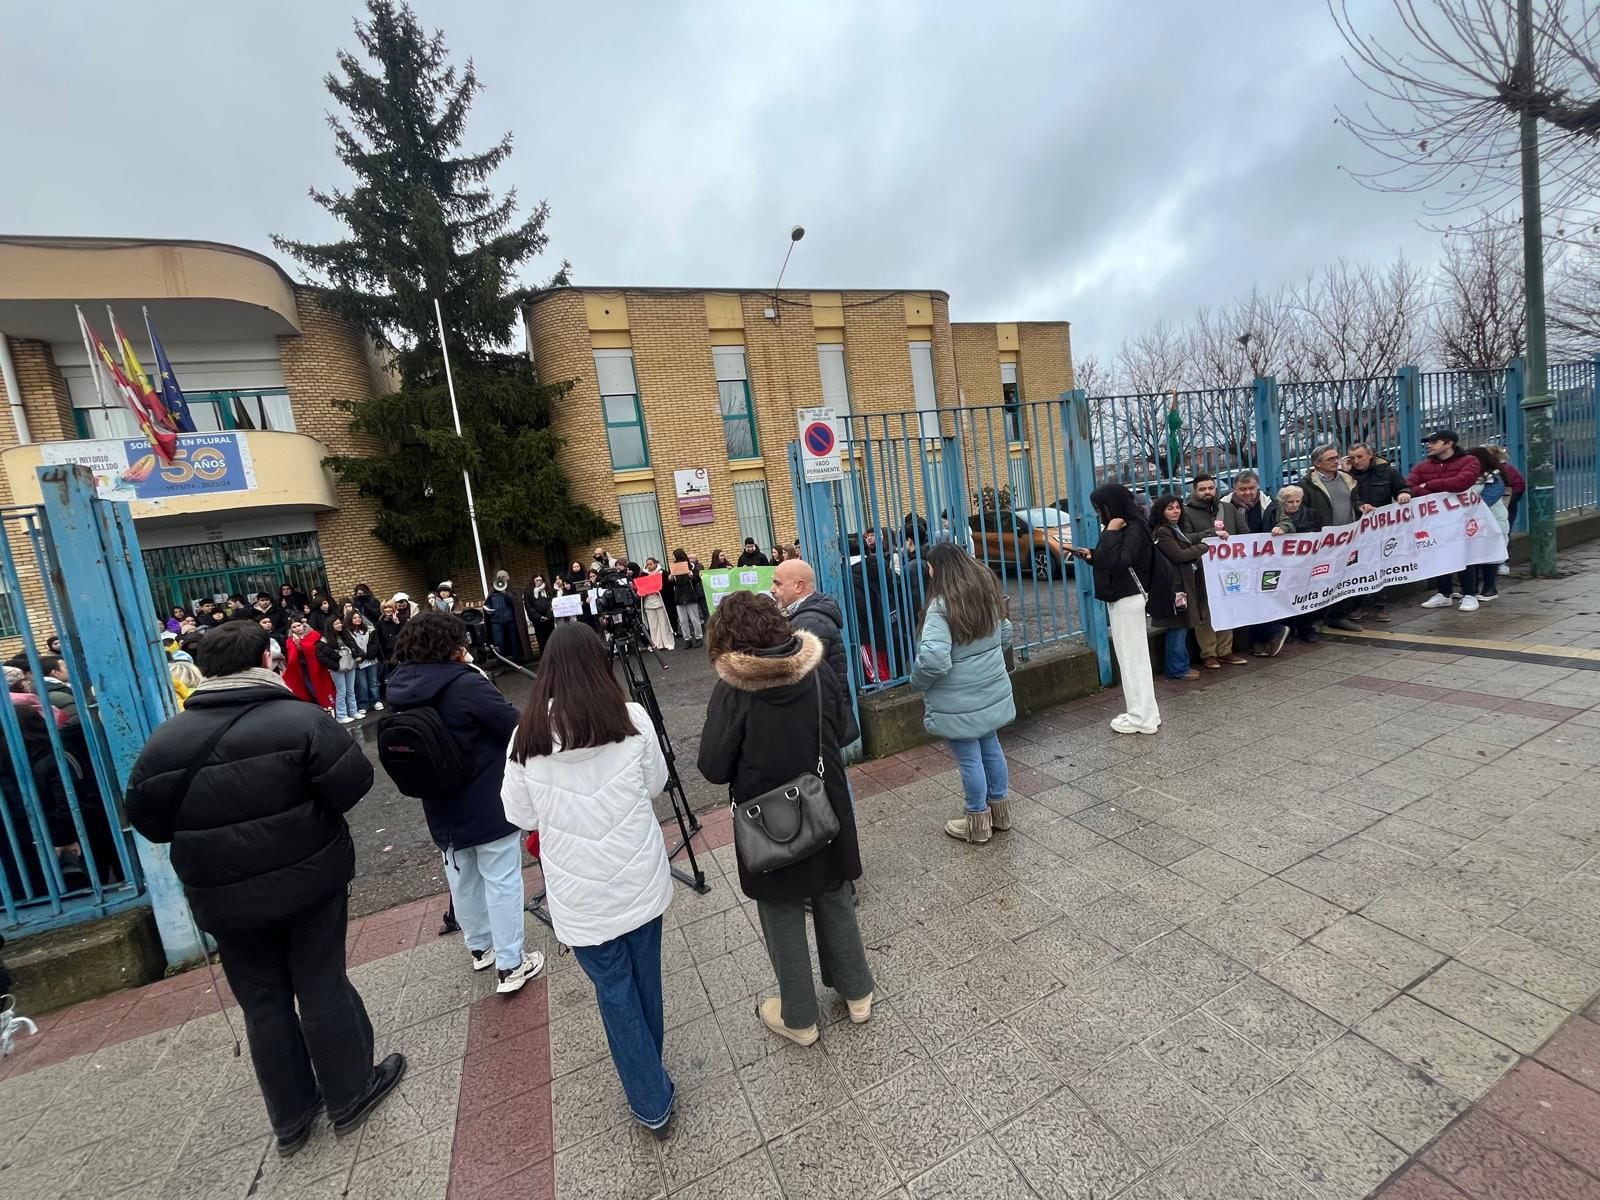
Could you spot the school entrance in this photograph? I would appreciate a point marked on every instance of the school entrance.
(188, 573)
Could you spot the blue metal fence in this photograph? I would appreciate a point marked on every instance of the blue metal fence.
(996, 479)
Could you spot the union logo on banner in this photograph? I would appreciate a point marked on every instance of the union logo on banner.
(1420, 535)
(1472, 527)
(1321, 569)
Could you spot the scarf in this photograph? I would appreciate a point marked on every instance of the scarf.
(249, 677)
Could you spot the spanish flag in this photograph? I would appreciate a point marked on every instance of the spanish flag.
(136, 376)
(162, 439)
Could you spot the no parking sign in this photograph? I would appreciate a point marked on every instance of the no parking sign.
(819, 445)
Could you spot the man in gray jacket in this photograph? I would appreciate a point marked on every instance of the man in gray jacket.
(1206, 517)
(794, 586)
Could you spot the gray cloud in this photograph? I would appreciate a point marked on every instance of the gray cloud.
(1106, 164)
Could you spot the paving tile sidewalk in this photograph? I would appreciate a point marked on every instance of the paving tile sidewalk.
(1314, 940)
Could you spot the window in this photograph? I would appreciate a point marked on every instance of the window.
(211, 411)
(1008, 396)
(619, 402)
(641, 527)
(1021, 481)
(10, 626)
(733, 398)
(755, 515)
(922, 387)
(835, 386)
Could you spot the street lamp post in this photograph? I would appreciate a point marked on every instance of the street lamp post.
(1537, 404)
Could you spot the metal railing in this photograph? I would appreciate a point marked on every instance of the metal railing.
(64, 852)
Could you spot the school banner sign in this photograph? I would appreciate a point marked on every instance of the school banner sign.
(204, 464)
(720, 582)
(1253, 579)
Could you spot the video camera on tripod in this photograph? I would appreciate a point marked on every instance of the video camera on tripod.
(616, 605)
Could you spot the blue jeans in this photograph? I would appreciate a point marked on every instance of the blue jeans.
(366, 686)
(486, 892)
(984, 776)
(626, 973)
(344, 693)
(1177, 653)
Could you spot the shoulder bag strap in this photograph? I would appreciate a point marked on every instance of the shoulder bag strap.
(817, 677)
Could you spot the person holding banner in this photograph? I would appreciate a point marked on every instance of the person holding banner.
(1206, 517)
(1447, 470)
(1123, 566)
(1166, 518)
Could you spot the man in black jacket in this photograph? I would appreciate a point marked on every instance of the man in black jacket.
(250, 787)
(1378, 485)
(752, 556)
(794, 584)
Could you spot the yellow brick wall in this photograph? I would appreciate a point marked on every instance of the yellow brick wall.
(325, 363)
(1044, 359)
(671, 345)
(48, 406)
(977, 362)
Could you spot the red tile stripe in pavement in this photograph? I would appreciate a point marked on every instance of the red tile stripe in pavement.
(1535, 1135)
(1480, 700)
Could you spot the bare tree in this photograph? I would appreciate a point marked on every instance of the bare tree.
(1575, 302)
(1091, 377)
(1154, 361)
(1358, 320)
(1446, 104)
(1255, 335)
(1480, 301)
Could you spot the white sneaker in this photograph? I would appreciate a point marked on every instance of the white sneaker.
(482, 960)
(1486, 597)
(1455, 595)
(360, 713)
(1469, 604)
(1126, 724)
(1437, 600)
(1503, 569)
(377, 706)
(512, 980)
(347, 720)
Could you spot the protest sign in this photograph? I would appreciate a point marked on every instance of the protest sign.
(648, 584)
(1252, 579)
(567, 606)
(736, 579)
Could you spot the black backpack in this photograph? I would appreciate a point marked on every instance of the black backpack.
(420, 753)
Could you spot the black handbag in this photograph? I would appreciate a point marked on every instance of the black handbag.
(787, 824)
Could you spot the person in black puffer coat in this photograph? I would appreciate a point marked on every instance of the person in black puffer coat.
(482, 850)
(794, 585)
(1123, 562)
(774, 711)
(250, 787)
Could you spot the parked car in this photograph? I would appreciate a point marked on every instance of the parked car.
(1033, 542)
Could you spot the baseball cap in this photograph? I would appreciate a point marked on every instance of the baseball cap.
(399, 596)
(1443, 435)
(168, 636)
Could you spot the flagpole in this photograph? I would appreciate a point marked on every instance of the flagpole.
(466, 476)
(94, 361)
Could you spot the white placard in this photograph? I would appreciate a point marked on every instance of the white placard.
(567, 606)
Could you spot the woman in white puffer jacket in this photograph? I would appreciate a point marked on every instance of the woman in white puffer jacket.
(583, 769)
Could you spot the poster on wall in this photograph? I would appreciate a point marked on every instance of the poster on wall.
(206, 464)
(693, 489)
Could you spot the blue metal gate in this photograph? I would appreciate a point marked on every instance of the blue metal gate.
(65, 853)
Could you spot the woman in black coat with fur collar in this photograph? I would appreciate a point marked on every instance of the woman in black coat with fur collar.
(758, 737)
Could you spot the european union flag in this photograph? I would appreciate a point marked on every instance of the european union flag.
(171, 393)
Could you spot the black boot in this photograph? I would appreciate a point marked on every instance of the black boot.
(384, 1078)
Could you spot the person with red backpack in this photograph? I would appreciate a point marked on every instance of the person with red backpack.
(446, 745)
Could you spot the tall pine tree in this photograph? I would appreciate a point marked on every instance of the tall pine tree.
(424, 223)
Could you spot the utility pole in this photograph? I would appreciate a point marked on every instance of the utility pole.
(1537, 403)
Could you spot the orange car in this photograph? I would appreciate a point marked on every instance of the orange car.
(1034, 542)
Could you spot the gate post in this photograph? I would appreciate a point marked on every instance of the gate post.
(107, 605)
(1516, 427)
(817, 509)
(1269, 436)
(1085, 528)
(1408, 409)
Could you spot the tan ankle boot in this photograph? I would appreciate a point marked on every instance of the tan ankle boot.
(1000, 815)
(974, 828)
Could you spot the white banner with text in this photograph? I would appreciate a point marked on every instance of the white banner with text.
(1257, 578)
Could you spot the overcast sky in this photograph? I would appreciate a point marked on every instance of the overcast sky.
(1106, 163)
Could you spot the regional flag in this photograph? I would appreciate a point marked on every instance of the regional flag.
(171, 393)
(162, 439)
(136, 376)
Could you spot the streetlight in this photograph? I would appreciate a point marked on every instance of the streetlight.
(795, 234)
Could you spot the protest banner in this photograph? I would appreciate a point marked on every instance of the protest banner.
(736, 579)
(1253, 579)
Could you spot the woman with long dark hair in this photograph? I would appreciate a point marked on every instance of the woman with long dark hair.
(772, 692)
(1184, 553)
(719, 561)
(1122, 572)
(961, 670)
(584, 767)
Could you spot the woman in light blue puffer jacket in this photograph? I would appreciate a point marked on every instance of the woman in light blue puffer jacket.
(961, 669)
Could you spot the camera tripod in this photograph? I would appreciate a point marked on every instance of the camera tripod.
(628, 649)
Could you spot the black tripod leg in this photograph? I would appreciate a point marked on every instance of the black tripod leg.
(643, 693)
